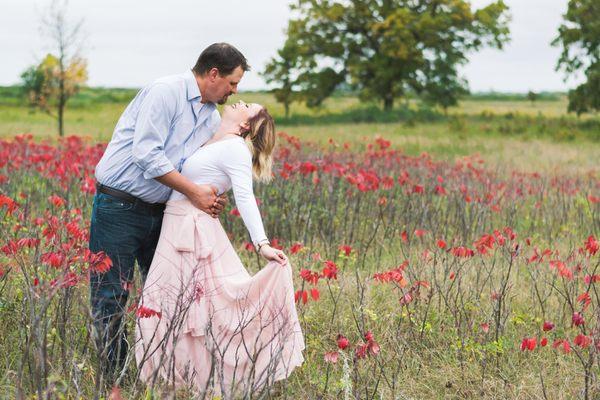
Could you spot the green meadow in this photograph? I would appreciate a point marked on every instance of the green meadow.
(500, 128)
(447, 324)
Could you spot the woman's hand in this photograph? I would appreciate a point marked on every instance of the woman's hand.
(272, 254)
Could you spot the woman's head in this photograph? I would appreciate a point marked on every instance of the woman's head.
(257, 127)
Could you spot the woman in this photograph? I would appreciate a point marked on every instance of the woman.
(204, 322)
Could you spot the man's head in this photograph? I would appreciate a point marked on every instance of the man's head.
(218, 71)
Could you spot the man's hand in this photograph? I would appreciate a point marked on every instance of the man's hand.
(220, 204)
(204, 197)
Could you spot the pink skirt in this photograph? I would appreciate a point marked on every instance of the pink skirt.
(203, 322)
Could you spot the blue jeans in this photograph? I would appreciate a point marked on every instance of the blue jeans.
(126, 232)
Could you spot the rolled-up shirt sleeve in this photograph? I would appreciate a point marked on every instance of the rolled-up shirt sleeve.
(236, 161)
(151, 131)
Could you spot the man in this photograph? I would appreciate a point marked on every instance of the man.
(164, 124)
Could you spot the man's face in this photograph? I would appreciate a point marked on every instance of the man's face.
(224, 86)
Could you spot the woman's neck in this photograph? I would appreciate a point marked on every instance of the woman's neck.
(226, 128)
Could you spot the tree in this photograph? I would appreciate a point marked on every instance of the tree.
(51, 83)
(48, 87)
(292, 71)
(34, 87)
(281, 70)
(387, 48)
(579, 36)
(444, 86)
(532, 96)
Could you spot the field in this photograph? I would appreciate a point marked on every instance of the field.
(500, 128)
(459, 254)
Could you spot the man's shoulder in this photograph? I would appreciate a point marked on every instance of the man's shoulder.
(171, 80)
(170, 85)
(170, 88)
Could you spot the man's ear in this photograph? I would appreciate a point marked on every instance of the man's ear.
(213, 73)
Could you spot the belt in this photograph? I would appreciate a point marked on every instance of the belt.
(120, 194)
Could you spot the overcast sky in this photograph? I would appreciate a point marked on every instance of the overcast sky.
(130, 43)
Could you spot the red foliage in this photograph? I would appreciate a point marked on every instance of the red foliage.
(146, 312)
(528, 344)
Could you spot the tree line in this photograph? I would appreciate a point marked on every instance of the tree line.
(382, 50)
(387, 49)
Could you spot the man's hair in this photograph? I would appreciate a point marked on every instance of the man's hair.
(221, 56)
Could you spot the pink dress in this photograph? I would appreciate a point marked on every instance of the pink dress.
(205, 323)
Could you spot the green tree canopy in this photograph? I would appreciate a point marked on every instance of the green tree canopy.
(50, 84)
(387, 48)
(579, 37)
(281, 70)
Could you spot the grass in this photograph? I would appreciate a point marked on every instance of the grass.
(433, 347)
(528, 136)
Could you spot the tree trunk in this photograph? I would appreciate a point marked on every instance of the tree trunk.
(388, 102)
(61, 124)
(61, 96)
(287, 109)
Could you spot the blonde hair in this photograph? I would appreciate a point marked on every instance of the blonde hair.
(260, 138)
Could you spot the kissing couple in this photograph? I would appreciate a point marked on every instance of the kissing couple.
(203, 323)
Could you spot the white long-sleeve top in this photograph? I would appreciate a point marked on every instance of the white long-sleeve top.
(227, 164)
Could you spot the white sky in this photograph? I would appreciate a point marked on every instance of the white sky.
(130, 43)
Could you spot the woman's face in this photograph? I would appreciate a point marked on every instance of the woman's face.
(240, 112)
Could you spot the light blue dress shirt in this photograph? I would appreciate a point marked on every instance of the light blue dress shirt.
(162, 126)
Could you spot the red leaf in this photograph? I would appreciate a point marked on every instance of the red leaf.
(577, 319)
(331, 357)
(146, 312)
(314, 293)
(548, 326)
(485, 327)
(342, 342)
(296, 247)
(582, 340)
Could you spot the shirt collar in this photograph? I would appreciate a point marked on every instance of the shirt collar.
(193, 92)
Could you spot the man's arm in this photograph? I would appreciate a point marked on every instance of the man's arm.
(151, 131)
(203, 197)
(156, 111)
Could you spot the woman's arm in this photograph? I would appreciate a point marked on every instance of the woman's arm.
(236, 161)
